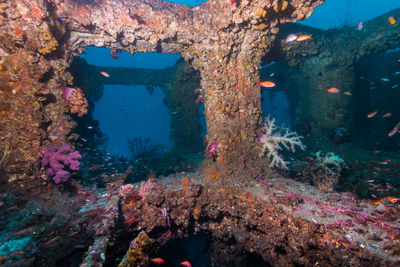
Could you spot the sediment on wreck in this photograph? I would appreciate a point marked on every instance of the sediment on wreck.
(327, 60)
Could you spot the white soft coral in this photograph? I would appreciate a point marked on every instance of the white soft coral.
(274, 139)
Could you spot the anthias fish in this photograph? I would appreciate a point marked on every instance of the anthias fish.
(186, 263)
(131, 220)
(360, 26)
(303, 37)
(105, 74)
(267, 84)
(332, 90)
(290, 38)
(158, 260)
(394, 130)
(372, 114)
(391, 199)
(386, 115)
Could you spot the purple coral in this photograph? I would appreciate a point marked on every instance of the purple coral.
(67, 93)
(212, 149)
(56, 158)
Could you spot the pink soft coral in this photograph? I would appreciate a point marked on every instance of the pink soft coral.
(56, 158)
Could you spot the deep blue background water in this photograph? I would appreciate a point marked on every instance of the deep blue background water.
(126, 112)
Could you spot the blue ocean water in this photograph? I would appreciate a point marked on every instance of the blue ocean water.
(337, 13)
(126, 112)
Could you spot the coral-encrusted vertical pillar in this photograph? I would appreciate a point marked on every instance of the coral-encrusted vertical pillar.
(233, 111)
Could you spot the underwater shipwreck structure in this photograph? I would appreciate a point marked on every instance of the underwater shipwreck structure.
(247, 209)
(328, 60)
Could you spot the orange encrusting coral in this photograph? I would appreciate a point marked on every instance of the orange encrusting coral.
(185, 183)
(391, 199)
(77, 102)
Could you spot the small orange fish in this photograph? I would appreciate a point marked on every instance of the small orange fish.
(105, 74)
(392, 20)
(372, 114)
(394, 130)
(267, 84)
(186, 263)
(158, 260)
(303, 37)
(387, 115)
(131, 220)
(332, 90)
(347, 93)
(391, 199)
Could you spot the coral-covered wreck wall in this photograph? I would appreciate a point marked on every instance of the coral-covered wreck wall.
(223, 40)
